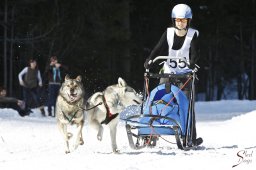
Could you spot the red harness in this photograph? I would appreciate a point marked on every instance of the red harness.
(109, 115)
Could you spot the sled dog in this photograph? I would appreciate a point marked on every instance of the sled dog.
(69, 109)
(106, 108)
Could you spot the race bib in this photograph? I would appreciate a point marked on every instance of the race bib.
(175, 67)
(168, 69)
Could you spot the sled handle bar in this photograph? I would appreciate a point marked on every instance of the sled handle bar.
(173, 58)
(167, 57)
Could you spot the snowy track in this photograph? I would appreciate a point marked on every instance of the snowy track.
(34, 142)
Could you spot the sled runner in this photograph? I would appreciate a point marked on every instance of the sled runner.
(166, 110)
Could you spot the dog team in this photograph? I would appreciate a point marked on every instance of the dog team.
(101, 108)
(66, 96)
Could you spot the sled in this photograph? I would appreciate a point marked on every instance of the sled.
(166, 110)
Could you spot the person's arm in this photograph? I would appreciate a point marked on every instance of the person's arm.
(8, 100)
(24, 71)
(194, 51)
(39, 78)
(160, 47)
(64, 67)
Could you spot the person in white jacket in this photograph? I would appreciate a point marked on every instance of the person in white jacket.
(30, 78)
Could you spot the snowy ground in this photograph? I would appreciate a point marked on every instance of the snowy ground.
(227, 128)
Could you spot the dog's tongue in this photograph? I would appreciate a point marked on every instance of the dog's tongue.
(72, 96)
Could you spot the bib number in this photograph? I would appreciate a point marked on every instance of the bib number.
(180, 63)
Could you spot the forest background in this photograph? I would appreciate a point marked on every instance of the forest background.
(104, 39)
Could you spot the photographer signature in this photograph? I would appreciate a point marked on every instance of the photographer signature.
(244, 157)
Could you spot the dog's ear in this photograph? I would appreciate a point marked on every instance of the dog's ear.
(79, 78)
(67, 77)
(121, 82)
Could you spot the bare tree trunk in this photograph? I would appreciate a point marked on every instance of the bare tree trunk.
(11, 56)
(126, 52)
(220, 85)
(217, 69)
(252, 79)
(5, 43)
(210, 78)
(241, 67)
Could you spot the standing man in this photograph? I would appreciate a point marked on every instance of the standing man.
(180, 40)
(55, 73)
(30, 79)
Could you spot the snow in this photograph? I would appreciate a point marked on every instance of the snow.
(227, 127)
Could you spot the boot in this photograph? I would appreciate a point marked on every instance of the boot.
(49, 111)
(198, 141)
(42, 111)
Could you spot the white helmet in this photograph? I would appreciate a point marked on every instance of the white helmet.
(182, 11)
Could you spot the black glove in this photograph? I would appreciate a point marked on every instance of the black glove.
(148, 63)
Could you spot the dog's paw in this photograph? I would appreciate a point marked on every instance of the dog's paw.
(116, 151)
(100, 133)
(99, 137)
(81, 142)
(68, 151)
(69, 135)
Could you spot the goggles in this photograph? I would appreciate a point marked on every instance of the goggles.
(183, 20)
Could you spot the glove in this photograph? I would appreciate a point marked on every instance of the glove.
(22, 83)
(148, 63)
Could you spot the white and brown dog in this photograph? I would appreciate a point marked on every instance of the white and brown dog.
(107, 105)
(69, 109)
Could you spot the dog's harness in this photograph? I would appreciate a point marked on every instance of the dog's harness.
(70, 117)
(109, 115)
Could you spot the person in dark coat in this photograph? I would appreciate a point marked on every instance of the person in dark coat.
(54, 72)
(13, 103)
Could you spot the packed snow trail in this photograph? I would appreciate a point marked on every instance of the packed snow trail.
(34, 142)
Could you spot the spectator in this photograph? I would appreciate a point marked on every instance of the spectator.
(30, 79)
(55, 73)
(13, 103)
